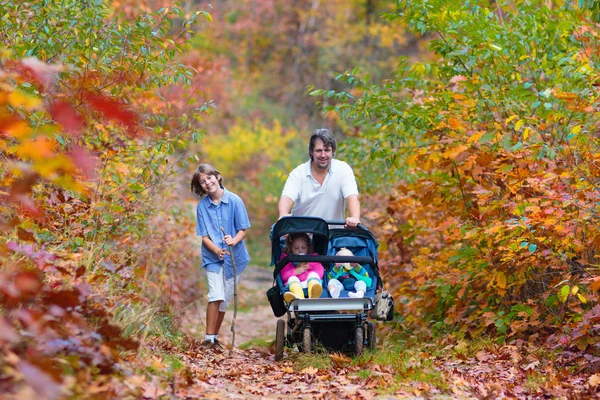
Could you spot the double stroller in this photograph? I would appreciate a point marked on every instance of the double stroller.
(337, 324)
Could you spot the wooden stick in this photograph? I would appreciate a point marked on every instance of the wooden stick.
(234, 295)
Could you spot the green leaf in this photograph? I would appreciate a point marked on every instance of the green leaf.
(563, 294)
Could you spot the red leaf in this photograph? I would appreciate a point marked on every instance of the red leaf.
(84, 161)
(63, 298)
(28, 283)
(63, 113)
(112, 109)
(41, 382)
(25, 235)
(23, 185)
(8, 332)
(28, 207)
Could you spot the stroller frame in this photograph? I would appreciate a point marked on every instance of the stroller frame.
(338, 324)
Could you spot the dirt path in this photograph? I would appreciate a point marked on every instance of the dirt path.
(253, 373)
(254, 319)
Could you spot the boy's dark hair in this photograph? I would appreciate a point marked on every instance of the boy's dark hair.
(324, 135)
(293, 236)
(206, 169)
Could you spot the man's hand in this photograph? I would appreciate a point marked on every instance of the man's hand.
(352, 222)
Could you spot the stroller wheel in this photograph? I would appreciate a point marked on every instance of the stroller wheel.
(371, 337)
(279, 339)
(359, 339)
(307, 340)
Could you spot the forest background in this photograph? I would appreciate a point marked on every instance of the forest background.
(472, 129)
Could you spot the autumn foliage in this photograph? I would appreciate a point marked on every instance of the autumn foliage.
(491, 226)
(84, 154)
(478, 162)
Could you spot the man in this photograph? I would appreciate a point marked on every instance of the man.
(323, 186)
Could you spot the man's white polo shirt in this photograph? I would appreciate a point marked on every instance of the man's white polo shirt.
(327, 200)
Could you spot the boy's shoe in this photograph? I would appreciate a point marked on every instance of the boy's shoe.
(217, 345)
(207, 344)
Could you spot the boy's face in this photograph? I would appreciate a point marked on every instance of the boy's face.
(209, 183)
(299, 246)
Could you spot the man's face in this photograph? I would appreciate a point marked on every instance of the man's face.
(322, 155)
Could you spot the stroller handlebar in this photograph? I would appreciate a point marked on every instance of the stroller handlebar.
(343, 223)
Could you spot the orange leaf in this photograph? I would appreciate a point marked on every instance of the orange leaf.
(595, 284)
(25, 235)
(36, 149)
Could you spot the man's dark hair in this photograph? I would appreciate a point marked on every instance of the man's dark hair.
(321, 134)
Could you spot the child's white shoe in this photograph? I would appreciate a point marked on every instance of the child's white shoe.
(356, 295)
(334, 291)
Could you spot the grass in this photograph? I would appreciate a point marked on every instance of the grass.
(319, 359)
(257, 343)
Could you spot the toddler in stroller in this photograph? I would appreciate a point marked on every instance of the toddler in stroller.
(297, 276)
(348, 276)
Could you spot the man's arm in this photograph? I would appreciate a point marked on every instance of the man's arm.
(285, 206)
(353, 210)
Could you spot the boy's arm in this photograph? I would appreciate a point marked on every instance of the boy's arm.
(210, 245)
(232, 241)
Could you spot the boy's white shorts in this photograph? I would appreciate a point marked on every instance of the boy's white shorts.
(220, 289)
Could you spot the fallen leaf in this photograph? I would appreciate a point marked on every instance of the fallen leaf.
(310, 370)
(594, 380)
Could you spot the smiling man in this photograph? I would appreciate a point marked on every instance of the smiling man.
(323, 186)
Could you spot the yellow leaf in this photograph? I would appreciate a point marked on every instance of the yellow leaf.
(510, 119)
(501, 280)
(581, 298)
(526, 133)
(157, 363)
(474, 138)
(518, 124)
(19, 99)
(454, 152)
(310, 370)
(574, 290)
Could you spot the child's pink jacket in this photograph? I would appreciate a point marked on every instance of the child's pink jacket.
(288, 271)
